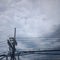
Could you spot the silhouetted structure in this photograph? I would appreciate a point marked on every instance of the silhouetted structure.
(12, 50)
(12, 42)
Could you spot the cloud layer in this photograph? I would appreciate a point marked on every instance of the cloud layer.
(32, 18)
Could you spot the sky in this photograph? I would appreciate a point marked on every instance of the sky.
(32, 19)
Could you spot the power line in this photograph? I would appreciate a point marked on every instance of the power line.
(2, 41)
(12, 50)
(38, 37)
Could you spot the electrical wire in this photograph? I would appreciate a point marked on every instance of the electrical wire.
(2, 41)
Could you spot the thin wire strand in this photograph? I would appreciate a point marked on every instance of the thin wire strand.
(2, 41)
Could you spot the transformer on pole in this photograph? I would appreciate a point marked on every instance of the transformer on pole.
(12, 43)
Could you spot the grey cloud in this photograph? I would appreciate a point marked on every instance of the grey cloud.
(12, 18)
(5, 4)
(56, 34)
(32, 18)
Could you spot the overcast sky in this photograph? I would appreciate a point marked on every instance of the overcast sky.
(32, 18)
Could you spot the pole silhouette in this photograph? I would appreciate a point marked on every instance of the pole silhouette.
(12, 43)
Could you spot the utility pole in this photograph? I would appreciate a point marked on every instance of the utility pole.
(12, 43)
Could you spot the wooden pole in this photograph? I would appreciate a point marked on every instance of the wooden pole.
(6, 57)
(18, 57)
(15, 33)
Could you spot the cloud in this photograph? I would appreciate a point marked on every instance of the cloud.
(29, 21)
(32, 18)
